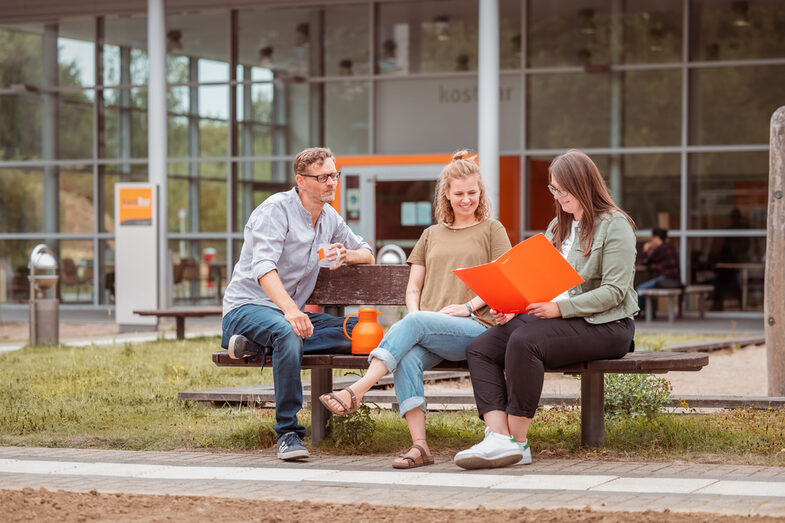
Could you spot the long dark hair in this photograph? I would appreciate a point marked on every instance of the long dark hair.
(577, 174)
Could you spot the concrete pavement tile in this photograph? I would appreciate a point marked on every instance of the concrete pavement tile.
(650, 468)
(655, 485)
(771, 508)
(745, 488)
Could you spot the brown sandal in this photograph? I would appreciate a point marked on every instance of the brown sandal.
(412, 463)
(354, 404)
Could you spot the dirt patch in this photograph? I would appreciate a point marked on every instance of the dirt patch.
(43, 505)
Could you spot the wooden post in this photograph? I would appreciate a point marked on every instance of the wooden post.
(592, 408)
(774, 302)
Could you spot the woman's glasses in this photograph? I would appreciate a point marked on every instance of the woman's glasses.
(556, 192)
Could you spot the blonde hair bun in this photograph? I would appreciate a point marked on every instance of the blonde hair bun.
(463, 154)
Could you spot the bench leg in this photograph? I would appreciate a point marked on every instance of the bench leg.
(180, 323)
(321, 383)
(701, 305)
(649, 308)
(592, 409)
(671, 307)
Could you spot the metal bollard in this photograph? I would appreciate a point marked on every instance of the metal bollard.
(44, 306)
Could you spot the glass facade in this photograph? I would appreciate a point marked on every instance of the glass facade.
(672, 98)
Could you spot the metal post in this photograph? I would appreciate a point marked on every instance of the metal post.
(488, 99)
(774, 308)
(50, 114)
(156, 133)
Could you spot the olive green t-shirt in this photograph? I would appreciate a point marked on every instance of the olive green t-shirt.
(441, 249)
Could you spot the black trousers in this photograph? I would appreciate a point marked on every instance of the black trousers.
(507, 362)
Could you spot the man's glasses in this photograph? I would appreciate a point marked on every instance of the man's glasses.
(556, 192)
(322, 178)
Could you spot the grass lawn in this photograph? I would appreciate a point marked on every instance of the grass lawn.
(126, 397)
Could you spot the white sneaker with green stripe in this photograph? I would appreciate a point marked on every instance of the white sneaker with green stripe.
(527, 453)
(496, 450)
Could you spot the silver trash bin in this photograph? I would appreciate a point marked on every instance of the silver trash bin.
(44, 305)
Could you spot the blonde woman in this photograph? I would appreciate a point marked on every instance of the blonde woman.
(442, 316)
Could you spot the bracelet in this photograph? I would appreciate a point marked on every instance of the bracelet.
(469, 308)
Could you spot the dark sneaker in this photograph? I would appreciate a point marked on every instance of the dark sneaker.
(241, 347)
(290, 446)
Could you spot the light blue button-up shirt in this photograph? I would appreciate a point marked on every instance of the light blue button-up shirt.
(280, 235)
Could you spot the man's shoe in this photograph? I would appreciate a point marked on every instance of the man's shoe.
(496, 450)
(527, 453)
(241, 347)
(290, 446)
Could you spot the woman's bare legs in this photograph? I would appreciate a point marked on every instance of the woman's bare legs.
(502, 423)
(415, 419)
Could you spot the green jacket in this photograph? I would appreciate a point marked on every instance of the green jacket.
(607, 293)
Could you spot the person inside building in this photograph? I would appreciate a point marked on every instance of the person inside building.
(662, 262)
(593, 320)
(277, 271)
(442, 316)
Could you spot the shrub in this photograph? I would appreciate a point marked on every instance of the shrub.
(355, 429)
(635, 395)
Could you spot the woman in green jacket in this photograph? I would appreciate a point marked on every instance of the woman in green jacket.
(591, 321)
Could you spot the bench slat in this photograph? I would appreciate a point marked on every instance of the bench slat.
(361, 285)
(634, 362)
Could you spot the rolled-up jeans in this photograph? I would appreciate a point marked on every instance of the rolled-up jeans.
(420, 341)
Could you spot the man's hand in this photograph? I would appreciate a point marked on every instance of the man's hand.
(544, 310)
(336, 255)
(502, 318)
(300, 322)
(455, 309)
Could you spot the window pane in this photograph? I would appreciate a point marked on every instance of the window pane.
(346, 115)
(427, 37)
(555, 100)
(734, 265)
(733, 105)
(76, 199)
(650, 189)
(346, 43)
(199, 270)
(14, 256)
(202, 35)
(21, 200)
(451, 109)
(21, 54)
(728, 190)
(280, 40)
(652, 31)
(125, 58)
(652, 108)
(20, 127)
(76, 125)
(509, 34)
(203, 202)
(256, 182)
(76, 52)
(76, 271)
(733, 30)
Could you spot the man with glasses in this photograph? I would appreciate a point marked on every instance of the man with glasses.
(276, 273)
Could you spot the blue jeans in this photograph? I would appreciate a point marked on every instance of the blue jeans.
(268, 327)
(647, 285)
(418, 342)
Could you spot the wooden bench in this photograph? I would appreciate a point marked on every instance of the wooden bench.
(386, 285)
(180, 314)
(676, 296)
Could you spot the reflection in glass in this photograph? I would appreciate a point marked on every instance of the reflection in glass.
(509, 34)
(256, 182)
(20, 126)
(568, 110)
(733, 29)
(21, 200)
(203, 35)
(14, 256)
(280, 40)
(125, 56)
(75, 119)
(346, 40)
(346, 116)
(728, 190)
(427, 37)
(734, 265)
(198, 270)
(650, 189)
(76, 199)
(651, 108)
(733, 105)
(76, 271)
(22, 56)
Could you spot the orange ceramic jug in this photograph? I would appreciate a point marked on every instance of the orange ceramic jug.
(367, 333)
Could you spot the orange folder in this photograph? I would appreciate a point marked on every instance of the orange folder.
(533, 271)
